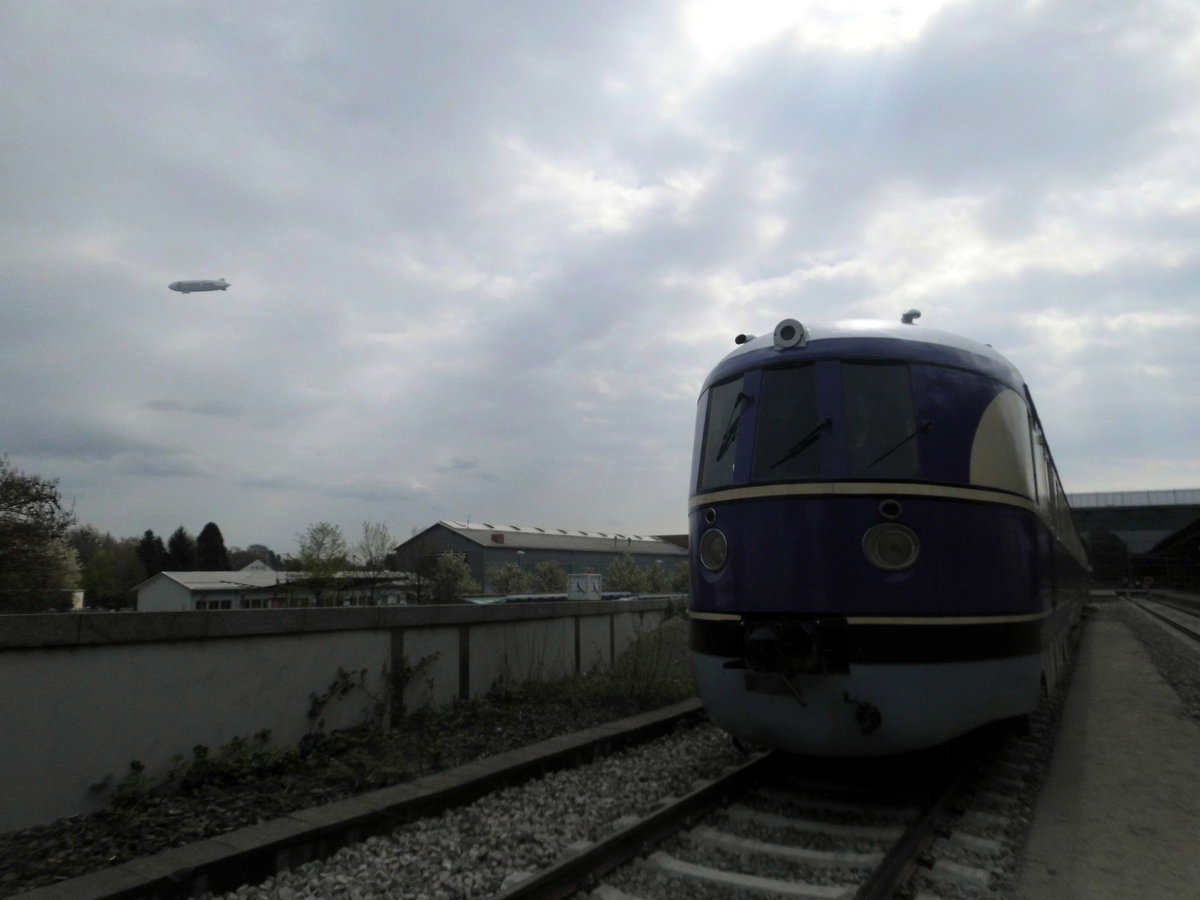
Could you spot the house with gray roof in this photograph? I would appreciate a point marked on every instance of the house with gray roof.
(260, 587)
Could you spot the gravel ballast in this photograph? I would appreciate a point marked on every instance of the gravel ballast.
(1175, 656)
(475, 850)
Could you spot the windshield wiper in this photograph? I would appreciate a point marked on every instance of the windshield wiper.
(804, 443)
(924, 427)
(730, 434)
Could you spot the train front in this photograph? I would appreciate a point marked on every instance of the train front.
(866, 540)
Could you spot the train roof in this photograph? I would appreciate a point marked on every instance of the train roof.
(868, 339)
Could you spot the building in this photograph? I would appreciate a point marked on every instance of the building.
(259, 587)
(1140, 519)
(1174, 562)
(485, 546)
(1120, 529)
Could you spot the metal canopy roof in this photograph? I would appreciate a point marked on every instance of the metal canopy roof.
(1179, 497)
(525, 537)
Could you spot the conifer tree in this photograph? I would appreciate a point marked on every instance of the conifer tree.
(211, 555)
(181, 551)
(152, 553)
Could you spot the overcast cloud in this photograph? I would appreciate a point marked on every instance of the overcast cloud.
(483, 254)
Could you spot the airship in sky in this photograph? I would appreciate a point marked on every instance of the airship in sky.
(186, 287)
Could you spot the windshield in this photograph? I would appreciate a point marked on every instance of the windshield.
(726, 403)
(800, 433)
(787, 442)
(881, 433)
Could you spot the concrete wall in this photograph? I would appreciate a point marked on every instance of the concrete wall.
(81, 695)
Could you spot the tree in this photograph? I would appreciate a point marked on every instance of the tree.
(181, 551)
(239, 559)
(549, 578)
(152, 553)
(681, 580)
(87, 541)
(33, 531)
(625, 575)
(657, 580)
(211, 555)
(452, 579)
(322, 557)
(109, 568)
(60, 574)
(372, 550)
(509, 578)
(322, 548)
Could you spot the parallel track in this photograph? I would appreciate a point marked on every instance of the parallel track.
(1193, 633)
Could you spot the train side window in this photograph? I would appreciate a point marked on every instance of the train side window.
(881, 432)
(787, 441)
(726, 405)
(1041, 469)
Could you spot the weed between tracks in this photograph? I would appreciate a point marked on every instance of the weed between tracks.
(249, 780)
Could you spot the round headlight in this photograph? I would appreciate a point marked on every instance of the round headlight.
(714, 549)
(891, 546)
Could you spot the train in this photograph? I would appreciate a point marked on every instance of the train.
(882, 556)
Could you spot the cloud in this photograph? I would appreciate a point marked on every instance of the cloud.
(481, 263)
(214, 408)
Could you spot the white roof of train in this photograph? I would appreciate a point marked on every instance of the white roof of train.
(874, 329)
(877, 328)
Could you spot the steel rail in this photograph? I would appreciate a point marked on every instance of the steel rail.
(1178, 626)
(581, 870)
(900, 863)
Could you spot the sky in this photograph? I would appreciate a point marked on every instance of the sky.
(483, 254)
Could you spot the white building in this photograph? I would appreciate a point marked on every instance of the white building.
(259, 587)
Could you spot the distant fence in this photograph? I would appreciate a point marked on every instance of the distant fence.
(82, 695)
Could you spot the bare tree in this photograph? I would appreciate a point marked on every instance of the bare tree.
(371, 551)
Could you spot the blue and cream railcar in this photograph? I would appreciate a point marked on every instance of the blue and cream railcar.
(882, 554)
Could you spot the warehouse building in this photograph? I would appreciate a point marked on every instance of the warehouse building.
(485, 546)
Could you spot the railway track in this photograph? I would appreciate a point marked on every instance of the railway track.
(853, 831)
(1183, 618)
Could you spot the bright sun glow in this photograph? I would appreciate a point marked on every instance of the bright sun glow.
(720, 29)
